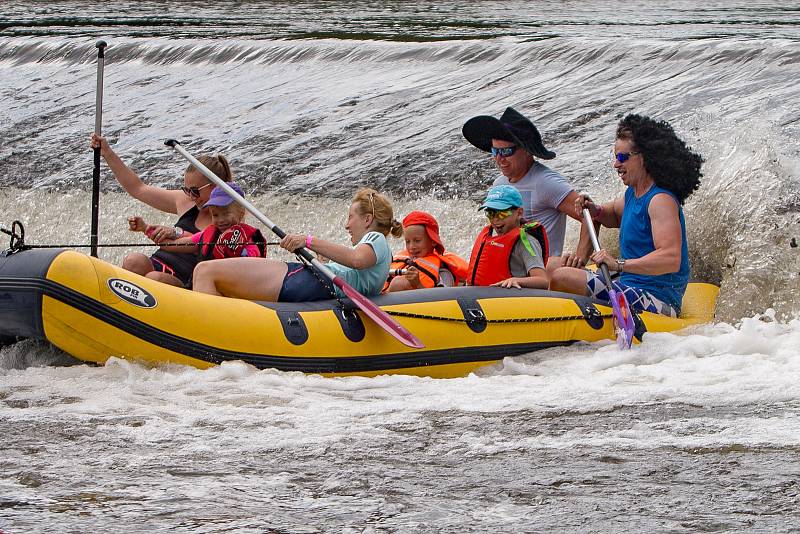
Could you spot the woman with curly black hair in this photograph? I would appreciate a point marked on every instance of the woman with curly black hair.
(660, 172)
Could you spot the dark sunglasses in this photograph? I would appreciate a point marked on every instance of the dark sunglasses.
(500, 214)
(193, 191)
(622, 157)
(504, 151)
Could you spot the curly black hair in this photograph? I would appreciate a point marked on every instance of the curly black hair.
(669, 162)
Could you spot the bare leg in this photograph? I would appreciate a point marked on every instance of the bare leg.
(553, 263)
(164, 278)
(399, 283)
(569, 280)
(137, 263)
(244, 278)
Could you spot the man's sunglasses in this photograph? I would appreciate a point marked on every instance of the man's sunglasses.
(505, 151)
(193, 191)
(622, 157)
(500, 214)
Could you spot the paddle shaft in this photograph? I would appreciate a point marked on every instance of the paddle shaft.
(621, 310)
(248, 206)
(381, 318)
(98, 124)
(587, 218)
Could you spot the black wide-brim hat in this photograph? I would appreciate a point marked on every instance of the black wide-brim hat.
(512, 126)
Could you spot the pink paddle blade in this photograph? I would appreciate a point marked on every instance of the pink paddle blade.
(623, 320)
(383, 319)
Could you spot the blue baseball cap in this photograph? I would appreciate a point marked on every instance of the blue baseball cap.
(501, 197)
(220, 198)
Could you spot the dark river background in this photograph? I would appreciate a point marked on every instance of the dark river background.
(697, 431)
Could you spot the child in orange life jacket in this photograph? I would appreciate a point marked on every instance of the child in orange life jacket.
(508, 252)
(424, 262)
(226, 237)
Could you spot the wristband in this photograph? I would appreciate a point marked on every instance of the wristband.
(309, 238)
(149, 231)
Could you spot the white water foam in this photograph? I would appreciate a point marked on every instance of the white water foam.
(756, 362)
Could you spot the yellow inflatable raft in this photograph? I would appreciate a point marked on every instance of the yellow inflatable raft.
(94, 310)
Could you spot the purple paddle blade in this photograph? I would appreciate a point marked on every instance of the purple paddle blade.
(623, 320)
(383, 319)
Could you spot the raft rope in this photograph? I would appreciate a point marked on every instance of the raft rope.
(18, 244)
(496, 321)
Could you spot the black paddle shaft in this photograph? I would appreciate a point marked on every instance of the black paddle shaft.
(98, 123)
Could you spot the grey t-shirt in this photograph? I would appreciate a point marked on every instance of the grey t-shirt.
(542, 190)
(521, 260)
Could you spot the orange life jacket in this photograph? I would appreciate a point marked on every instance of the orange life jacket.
(429, 266)
(489, 261)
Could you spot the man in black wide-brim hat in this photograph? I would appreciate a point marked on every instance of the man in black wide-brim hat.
(515, 143)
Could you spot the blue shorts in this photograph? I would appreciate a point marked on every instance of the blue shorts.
(639, 299)
(302, 285)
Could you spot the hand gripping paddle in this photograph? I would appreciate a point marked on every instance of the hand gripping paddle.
(621, 310)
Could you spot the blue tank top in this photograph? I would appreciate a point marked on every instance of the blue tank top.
(636, 240)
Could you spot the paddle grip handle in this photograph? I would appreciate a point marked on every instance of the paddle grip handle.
(98, 105)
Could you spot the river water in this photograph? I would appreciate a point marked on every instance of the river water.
(693, 431)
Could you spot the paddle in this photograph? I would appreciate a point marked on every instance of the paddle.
(98, 122)
(383, 319)
(621, 310)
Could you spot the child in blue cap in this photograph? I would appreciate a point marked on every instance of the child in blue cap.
(226, 237)
(508, 252)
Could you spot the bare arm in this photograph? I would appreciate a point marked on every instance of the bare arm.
(165, 200)
(360, 257)
(584, 248)
(536, 279)
(567, 206)
(182, 245)
(666, 224)
(610, 214)
(666, 258)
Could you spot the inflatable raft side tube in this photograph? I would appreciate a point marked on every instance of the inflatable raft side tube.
(21, 287)
(326, 364)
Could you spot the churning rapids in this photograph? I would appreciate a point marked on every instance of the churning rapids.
(694, 431)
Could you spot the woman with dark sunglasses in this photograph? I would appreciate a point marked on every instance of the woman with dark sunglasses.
(187, 201)
(660, 173)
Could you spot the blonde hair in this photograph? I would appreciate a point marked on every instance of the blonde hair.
(373, 203)
(216, 164)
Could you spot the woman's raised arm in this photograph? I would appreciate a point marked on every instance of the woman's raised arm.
(165, 200)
